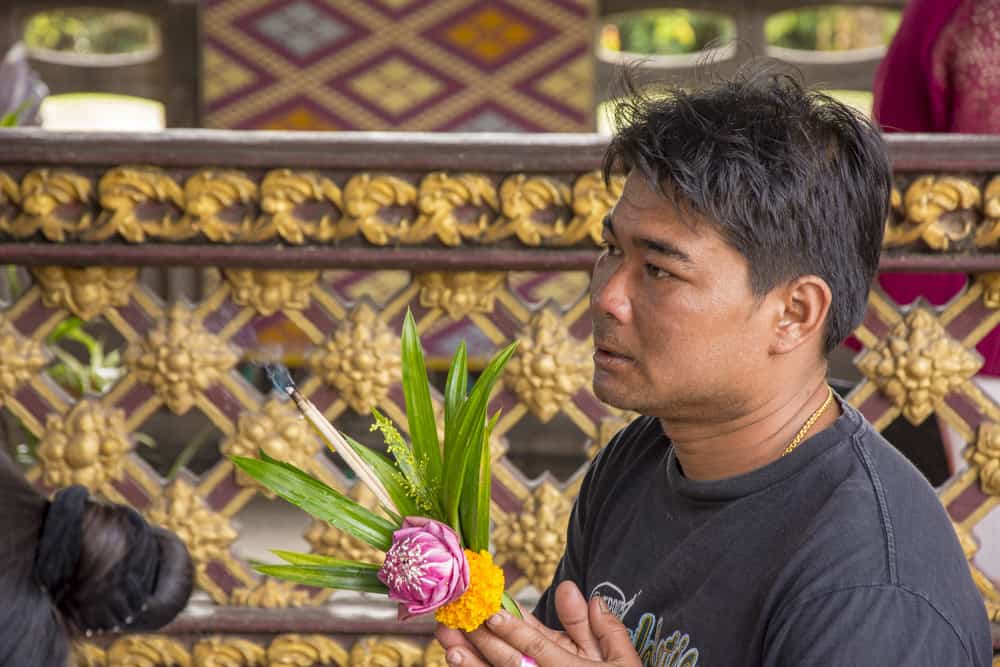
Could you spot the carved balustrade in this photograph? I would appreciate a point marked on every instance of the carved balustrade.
(314, 246)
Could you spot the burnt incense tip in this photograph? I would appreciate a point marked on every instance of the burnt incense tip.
(280, 378)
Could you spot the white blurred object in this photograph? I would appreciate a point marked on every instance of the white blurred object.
(102, 112)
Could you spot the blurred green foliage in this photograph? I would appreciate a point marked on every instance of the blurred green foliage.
(677, 31)
(91, 31)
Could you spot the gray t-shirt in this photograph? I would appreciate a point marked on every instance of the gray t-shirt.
(837, 554)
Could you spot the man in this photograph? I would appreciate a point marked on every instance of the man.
(750, 517)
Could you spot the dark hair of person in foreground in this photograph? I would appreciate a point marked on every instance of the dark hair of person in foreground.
(796, 182)
(74, 567)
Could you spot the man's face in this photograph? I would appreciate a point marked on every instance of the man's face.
(678, 333)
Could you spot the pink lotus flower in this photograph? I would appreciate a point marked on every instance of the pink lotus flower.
(425, 568)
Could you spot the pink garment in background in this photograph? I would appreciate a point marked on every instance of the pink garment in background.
(942, 74)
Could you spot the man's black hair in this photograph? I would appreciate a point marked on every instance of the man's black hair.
(796, 181)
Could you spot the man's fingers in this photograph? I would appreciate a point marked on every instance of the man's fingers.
(455, 642)
(505, 639)
(574, 614)
(616, 645)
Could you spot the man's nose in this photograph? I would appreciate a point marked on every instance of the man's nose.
(611, 297)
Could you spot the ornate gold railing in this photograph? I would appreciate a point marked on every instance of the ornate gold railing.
(312, 247)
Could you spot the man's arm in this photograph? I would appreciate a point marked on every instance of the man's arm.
(881, 624)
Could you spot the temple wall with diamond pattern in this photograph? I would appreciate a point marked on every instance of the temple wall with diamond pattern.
(461, 234)
(441, 65)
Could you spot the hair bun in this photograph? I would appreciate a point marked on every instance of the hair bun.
(130, 574)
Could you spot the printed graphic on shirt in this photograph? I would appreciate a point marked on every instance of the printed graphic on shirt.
(655, 647)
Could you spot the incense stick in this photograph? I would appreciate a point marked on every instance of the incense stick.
(282, 381)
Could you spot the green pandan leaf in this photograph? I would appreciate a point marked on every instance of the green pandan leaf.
(462, 442)
(318, 499)
(455, 386)
(419, 409)
(507, 602)
(341, 577)
(295, 558)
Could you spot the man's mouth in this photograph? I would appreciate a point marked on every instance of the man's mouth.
(609, 356)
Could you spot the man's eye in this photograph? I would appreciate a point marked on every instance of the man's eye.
(656, 272)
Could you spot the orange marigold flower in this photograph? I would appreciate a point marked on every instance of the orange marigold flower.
(480, 600)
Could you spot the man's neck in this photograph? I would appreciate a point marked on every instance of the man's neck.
(721, 449)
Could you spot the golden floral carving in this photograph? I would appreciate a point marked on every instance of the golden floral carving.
(383, 652)
(88, 446)
(524, 202)
(326, 539)
(434, 655)
(229, 652)
(361, 360)
(549, 367)
(283, 192)
(459, 293)
(306, 651)
(86, 292)
(267, 292)
(592, 200)
(270, 594)
(939, 211)
(48, 198)
(210, 194)
(918, 364)
(366, 195)
(280, 431)
(20, 359)
(179, 358)
(534, 538)
(439, 199)
(991, 289)
(986, 456)
(86, 654)
(148, 651)
(125, 192)
(207, 534)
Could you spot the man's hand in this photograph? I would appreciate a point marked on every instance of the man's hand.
(593, 635)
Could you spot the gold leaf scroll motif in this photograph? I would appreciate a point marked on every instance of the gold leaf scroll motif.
(384, 652)
(989, 232)
(267, 292)
(10, 198)
(220, 204)
(592, 200)
(88, 446)
(919, 364)
(549, 367)
(283, 194)
(939, 211)
(361, 360)
(365, 196)
(439, 199)
(524, 201)
(459, 293)
(148, 651)
(56, 202)
(179, 359)
(229, 652)
(306, 651)
(124, 194)
(86, 292)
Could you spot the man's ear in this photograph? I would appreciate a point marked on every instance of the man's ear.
(802, 309)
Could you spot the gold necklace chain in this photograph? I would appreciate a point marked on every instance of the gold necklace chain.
(800, 436)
